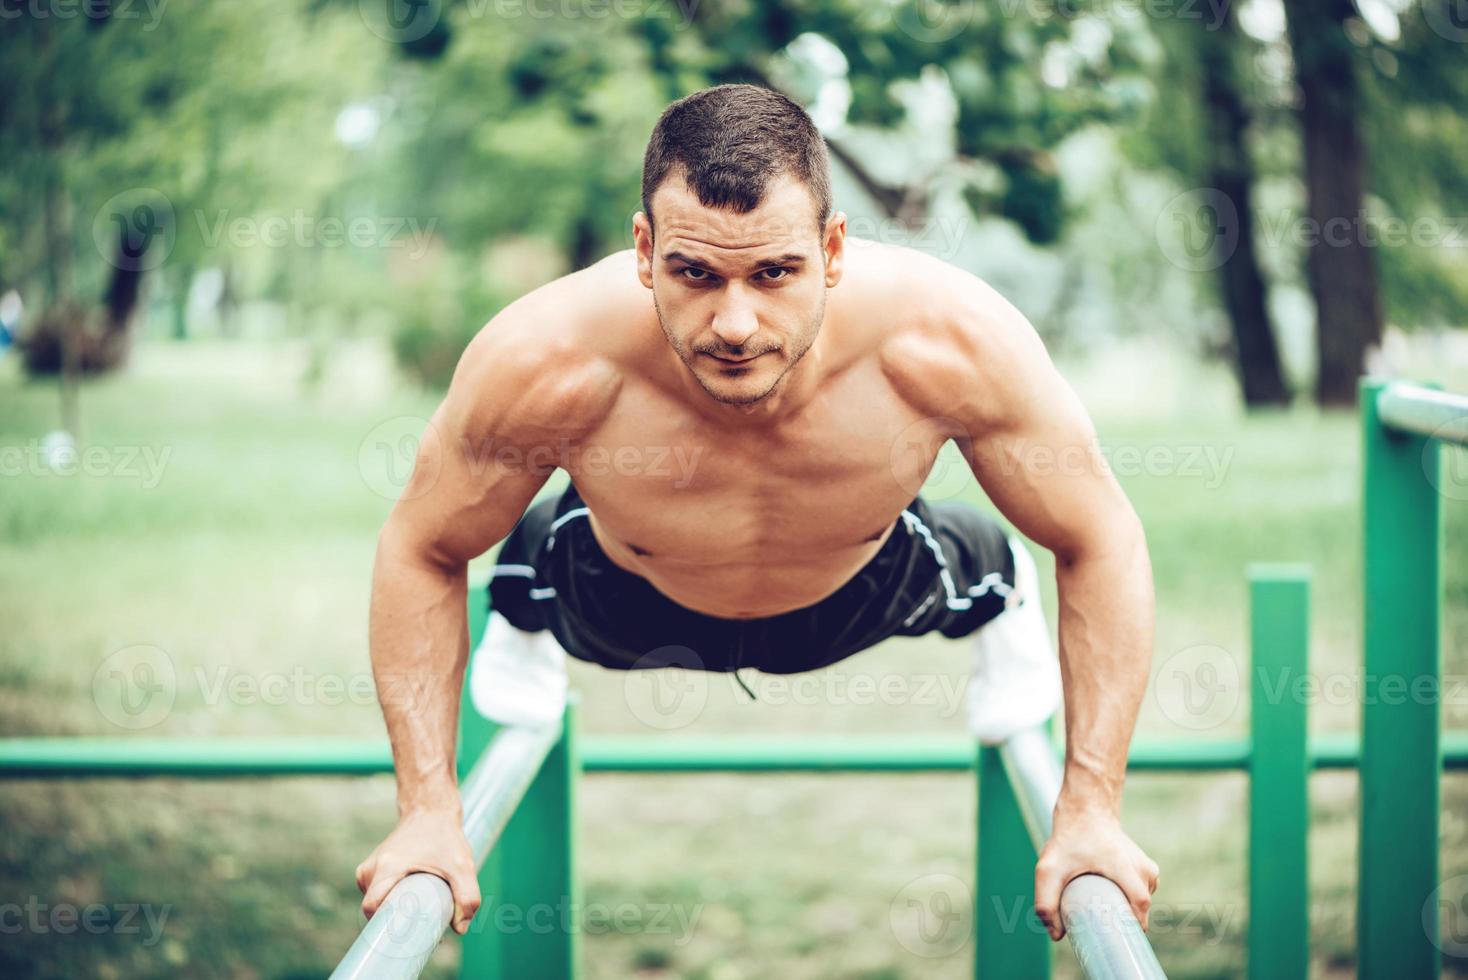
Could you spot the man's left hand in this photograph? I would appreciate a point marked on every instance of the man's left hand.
(1091, 841)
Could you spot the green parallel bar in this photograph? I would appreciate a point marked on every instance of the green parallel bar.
(1279, 774)
(474, 729)
(1344, 751)
(479, 948)
(641, 753)
(1424, 411)
(895, 753)
(1009, 939)
(30, 757)
(537, 915)
(1401, 751)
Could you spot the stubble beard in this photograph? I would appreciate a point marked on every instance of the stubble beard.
(688, 357)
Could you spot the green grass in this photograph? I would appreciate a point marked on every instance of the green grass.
(248, 561)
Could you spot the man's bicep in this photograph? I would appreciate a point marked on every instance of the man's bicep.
(518, 397)
(467, 490)
(473, 475)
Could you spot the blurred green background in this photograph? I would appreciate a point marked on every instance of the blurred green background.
(242, 245)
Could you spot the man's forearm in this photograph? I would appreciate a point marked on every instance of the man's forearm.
(1106, 624)
(419, 638)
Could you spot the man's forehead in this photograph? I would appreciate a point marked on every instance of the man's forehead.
(782, 222)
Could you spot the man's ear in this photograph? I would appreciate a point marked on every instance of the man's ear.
(642, 241)
(833, 246)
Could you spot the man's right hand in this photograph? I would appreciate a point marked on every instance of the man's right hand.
(431, 841)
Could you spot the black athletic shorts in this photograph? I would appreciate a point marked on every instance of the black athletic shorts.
(945, 567)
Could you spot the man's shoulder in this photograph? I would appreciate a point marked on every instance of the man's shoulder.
(947, 340)
(554, 360)
(599, 311)
(904, 293)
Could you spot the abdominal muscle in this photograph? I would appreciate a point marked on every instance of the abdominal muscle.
(782, 579)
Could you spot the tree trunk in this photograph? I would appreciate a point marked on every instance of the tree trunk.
(56, 206)
(1339, 263)
(585, 246)
(1232, 174)
(125, 283)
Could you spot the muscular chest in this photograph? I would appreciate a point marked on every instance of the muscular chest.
(668, 484)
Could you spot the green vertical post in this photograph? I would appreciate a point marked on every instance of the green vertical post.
(480, 951)
(475, 730)
(1401, 748)
(540, 926)
(1009, 940)
(1279, 771)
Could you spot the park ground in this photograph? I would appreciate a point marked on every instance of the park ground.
(232, 525)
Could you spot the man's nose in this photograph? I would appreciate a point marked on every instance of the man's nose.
(735, 322)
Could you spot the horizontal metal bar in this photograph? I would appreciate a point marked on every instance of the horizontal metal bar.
(74, 757)
(27, 757)
(1108, 941)
(1425, 411)
(396, 943)
(905, 753)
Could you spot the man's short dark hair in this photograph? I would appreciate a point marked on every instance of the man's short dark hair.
(729, 142)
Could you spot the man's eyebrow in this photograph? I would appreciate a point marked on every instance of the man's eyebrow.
(789, 258)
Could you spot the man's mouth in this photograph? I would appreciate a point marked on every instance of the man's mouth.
(735, 360)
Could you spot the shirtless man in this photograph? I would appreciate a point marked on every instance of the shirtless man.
(811, 379)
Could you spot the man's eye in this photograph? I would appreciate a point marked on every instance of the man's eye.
(695, 275)
(775, 274)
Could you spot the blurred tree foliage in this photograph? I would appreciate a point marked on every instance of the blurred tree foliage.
(146, 149)
(206, 113)
(1407, 63)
